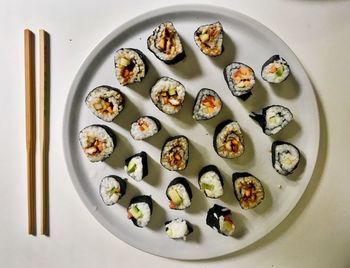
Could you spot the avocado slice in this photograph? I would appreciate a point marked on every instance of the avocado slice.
(169, 232)
(175, 197)
(124, 62)
(206, 186)
(172, 91)
(131, 167)
(135, 212)
(280, 71)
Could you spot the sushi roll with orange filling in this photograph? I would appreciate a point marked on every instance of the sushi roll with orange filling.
(207, 105)
(209, 39)
(275, 70)
(144, 127)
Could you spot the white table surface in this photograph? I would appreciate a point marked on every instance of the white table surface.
(315, 234)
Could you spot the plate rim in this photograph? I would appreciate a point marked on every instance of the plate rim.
(213, 9)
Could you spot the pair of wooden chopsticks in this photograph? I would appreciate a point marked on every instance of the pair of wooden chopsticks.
(29, 52)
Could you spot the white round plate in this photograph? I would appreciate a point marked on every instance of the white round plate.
(246, 41)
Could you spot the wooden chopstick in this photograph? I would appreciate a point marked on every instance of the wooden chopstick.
(29, 67)
(44, 121)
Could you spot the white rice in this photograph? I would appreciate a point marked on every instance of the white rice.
(287, 158)
(107, 190)
(87, 138)
(181, 190)
(165, 84)
(139, 134)
(138, 71)
(105, 94)
(212, 178)
(178, 229)
(145, 211)
(224, 231)
(138, 173)
(158, 34)
(272, 77)
(236, 87)
(277, 117)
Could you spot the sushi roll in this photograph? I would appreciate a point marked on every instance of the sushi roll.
(275, 70)
(112, 188)
(130, 65)
(210, 181)
(98, 142)
(179, 194)
(168, 95)
(175, 153)
(136, 166)
(219, 218)
(240, 79)
(165, 44)
(228, 139)
(248, 189)
(105, 102)
(178, 229)
(207, 105)
(144, 127)
(285, 157)
(273, 119)
(209, 38)
(140, 210)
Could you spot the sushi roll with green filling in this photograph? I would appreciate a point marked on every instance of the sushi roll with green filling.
(112, 188)
(240, 79)
(275, 70)
(165, 44)
(179, 194)
(207, 104)
(210, 181)
(248, 189)
(209, 38)
(220, 219)
(98, 142)
(145, 127)
(136, 166)
(168, 95)
(285, 157)
(140, 210)
(175, 153)
(228, 139)
(105, 102)
(130, 66)
(273, 119)
(178, 229)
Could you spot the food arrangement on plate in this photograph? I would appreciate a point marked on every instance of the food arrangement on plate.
(98, 142)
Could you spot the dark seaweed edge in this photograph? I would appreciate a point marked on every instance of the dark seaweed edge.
(143, 59)
(274, 160)
(207, 169)
(222, 37)
(199, 97)
(271, 60)
(109, 88)
(144, 162)
(239, 175)
(179, 57)
(169, 140)
(212, 221)
(184, 182)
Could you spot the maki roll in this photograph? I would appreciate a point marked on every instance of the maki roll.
(248, 189)
(140, 210)
(209, 38)
(168, 95)
(210, 181)
(112, 188)
(179, 193)
(175, 153)
(273, 118)
(144, 127)
(219, 218)
(105, 102)
(285, 157)
(98, 142)
(228, 139)
(136, 166)
(240, 79)
(130, 65)
(165, 44)
(207, 105)
(178, 229)
(275, 70)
